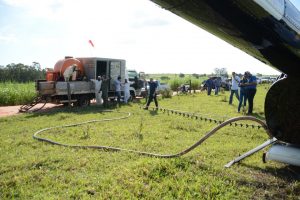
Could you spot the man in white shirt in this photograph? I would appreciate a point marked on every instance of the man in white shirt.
(69, 72)
(98, 92)
(126, 91)
(234, 87)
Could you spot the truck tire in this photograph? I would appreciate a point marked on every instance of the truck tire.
(132, 96)
(83, 101)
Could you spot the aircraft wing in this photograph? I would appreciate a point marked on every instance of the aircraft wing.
(266, 29)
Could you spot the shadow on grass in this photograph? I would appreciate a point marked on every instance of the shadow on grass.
(78, 110)
(153, 112)
(259, 116)
(278, 182)
(287, 172)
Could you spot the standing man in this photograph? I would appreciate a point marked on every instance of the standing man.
(98, 90)
(117, 84)
(235, 80)
(104, 89)
(209, 84)
(152, 94)
(68, 73)
(251, 90)
(217, 83)
(97, 86)
(126, 91)
(243, 92)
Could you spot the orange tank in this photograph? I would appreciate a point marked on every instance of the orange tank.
(62, 65)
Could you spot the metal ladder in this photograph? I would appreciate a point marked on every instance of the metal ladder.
(27, 107)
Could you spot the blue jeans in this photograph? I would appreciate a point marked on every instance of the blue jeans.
(236, 92)
(217, 89)
(118, 94)
(250, 96)
(243, 98)
(152, 97)
(208, 90)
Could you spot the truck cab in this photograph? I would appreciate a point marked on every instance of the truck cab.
(137, 81)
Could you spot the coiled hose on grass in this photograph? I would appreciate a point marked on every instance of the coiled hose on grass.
(109, 148)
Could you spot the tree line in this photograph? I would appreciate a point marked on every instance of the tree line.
(21, 73)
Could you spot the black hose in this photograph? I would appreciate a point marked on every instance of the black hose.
(109, 148)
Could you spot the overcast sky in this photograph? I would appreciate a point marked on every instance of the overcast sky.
(149, 38)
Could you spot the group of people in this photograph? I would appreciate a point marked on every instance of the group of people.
(247, 87)
(213, 83)
(102, 87)
(118, 85)
(243, 88)
(152, 91)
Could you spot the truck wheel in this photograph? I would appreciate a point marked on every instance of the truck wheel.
(83, 101)
(282, 110)
(132, 96)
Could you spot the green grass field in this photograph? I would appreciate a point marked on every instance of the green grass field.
(35, 170)
(16, 93)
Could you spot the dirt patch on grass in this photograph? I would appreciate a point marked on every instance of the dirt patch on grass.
(14, 110)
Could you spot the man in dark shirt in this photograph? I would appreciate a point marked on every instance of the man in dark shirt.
(251, 90)
(152, 93)
(209, 84)
(104, 89)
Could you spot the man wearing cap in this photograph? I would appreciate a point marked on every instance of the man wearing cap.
(152, 94)
(251, 90)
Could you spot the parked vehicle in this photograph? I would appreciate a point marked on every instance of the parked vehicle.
(80, 90)
(137, 81)
(160, 87)
(265, 80)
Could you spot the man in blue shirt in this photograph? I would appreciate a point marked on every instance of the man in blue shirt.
(117, 84)
(209, 84)
(217, 83)
(152, 93)
(251, 90)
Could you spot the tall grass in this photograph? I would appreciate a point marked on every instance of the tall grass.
(16, 93)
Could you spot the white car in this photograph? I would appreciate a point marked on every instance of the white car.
(162, 86)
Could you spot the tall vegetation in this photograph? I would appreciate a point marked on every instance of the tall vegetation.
(16, 93)
(195, 84)
(21, 73)
(175, 83)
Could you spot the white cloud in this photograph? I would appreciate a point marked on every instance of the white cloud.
(7, 38)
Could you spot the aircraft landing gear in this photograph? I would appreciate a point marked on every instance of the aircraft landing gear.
(282, 109)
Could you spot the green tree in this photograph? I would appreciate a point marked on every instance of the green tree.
(196, 75)
(181, 75)
(221, 72)
(21, 73)
(164, 78)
